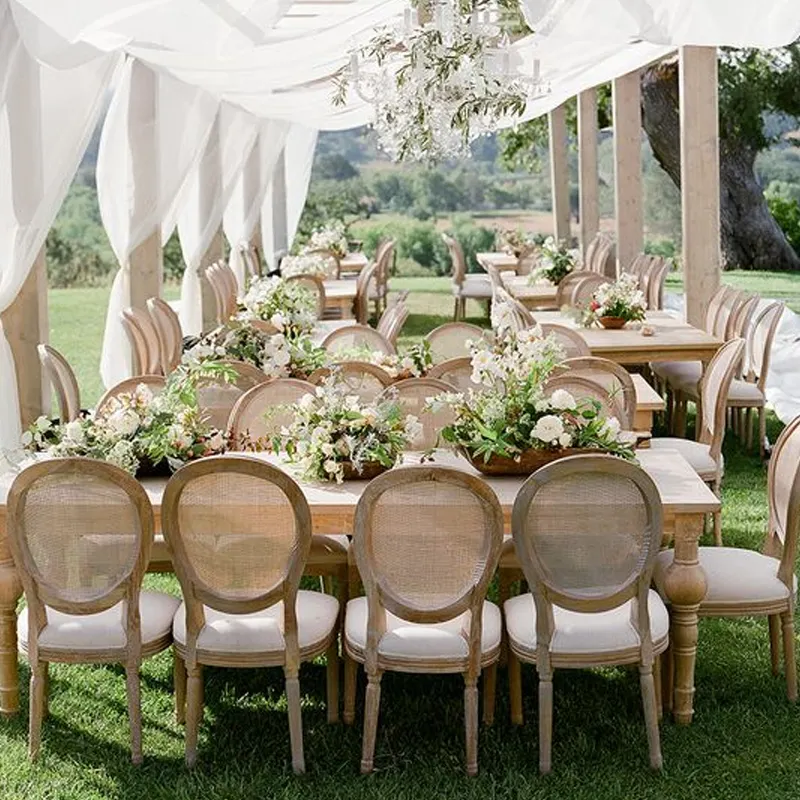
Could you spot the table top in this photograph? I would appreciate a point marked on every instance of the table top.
(499, 260)
(647, 398)
(353, 262)
(519, 287)
(340, 288)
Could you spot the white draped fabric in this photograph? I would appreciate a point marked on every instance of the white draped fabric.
(42, 139)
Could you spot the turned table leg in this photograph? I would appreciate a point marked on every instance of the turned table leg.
(10, 592)
(685, 586)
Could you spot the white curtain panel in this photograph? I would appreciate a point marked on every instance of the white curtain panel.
(46, 119)
(241, 215)
(152, 134)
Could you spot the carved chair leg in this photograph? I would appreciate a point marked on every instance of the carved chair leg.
(371, 710)
(774, 642)
(787, 618)
(489, 693)
(471, 723)
(332, 678)
(650, 715)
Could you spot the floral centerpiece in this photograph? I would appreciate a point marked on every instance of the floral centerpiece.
(412, 363)
(517, 243)
(614, 304)
(319, 264)
(140, 431)
(288, 306)
(336, 436)
(556, 261)
(513, 424)
(331, 237)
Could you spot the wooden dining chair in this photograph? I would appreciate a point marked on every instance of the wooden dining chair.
(365, 287)
(80, 531)
(745, 583)
(519, 315)
(62, 378)
(383, 265)
(567, 286)
(465, 286)
(357, 337)
(107, 403)
(617, 381)
(143, 340)
(570, 341)
(314, 285)
(362, 378)
(239, 531)
(392, 320)
(583, 387)
(705, 454)
(583, 290)
(656, 282)
(413, 394)
(427, 541)
(450, 340)
(587, 530)
(168, 332)
(217, 398)
(455, 371)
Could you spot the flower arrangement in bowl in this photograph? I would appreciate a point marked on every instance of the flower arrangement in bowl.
(139, 431)
(556, 261)
(335, 436)
(319, 264)
(411, 363)
(288, 306)
(331, 237)
(615, 304)
(513, 425)
(518, 243)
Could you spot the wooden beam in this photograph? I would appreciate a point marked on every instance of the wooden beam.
(147, 269)
(626, 100)
(702, 259)
(559, 172)
(589, 194)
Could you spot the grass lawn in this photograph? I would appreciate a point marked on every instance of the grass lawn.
(743, 743)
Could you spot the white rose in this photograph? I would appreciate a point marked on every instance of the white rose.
(612, 427)
(74, 432)
(216, 441)
(124, 422)
(306, 402)
(548, 428)
(330, 466)
(562, 400)
(565, 440)
(43, 424)
(542, 405)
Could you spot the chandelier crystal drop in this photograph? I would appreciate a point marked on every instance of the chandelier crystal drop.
(439, 84)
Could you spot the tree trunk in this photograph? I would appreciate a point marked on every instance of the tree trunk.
(751, 238)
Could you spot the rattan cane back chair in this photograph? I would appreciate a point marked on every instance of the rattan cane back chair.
(168, 332)
(107, 403)
(217, 398)
(362, 378)
(63, 380)
(571, 342)
(413, 395)
(314, 285)
(582, 387)
(455, 371)
(450, 340)
(143, 340)
(357, 337)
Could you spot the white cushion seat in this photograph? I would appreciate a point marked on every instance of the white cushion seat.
(477, 286)
(408, 643)
(106, 629)
(745, 393)
(606, 634)
(262, 631)
(696, 453)
(736, 578)
(686, 372)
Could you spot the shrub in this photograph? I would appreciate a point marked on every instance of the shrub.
(786, 211)
(473, 239)
(70, 264)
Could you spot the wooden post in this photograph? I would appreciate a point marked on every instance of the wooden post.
(280, 222)
(559, 173)
(214, 252)
(587, 167)
(626, 100)
(699, 179)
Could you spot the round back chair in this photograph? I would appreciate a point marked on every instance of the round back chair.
(168, 331)
(568, 284)
(714, 386)
(455, 371)
(365, 285)
(143, 340)
(583, 291)
(314, 285)
(63, 380)
(783, 494)
(759, 343)
(571, 342)
(413, 394)
(261, 412)
(449, 340)
(383, 264)
(601, 255)
(714, 306)
(357, 337)
(392, 321)
(362, 378)
(726, 314)
(457, 258)
(217, 399)
(654, 287)
(584, 388)
(107, 403)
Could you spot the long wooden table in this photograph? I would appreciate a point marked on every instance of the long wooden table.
(341, 294)
(648, 402)
(501, 261)
(685, 499)
(673, 340)
(533, 296)
(353, 262)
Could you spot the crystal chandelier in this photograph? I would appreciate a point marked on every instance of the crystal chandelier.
(438, 84)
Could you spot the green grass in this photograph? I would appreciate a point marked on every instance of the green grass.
(743, 743)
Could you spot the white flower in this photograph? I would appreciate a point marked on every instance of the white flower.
(216, 441)
(123, 422)
(562, 400)
(611, 427)
(330, 466)
(27, 439)
(307, 401)
(74, 432)
(548, 428)
(414, 428)
(565, 440)
(542, 405)
(43, 424)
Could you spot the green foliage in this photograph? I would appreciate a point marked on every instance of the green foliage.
(473, 239)
(335, 167)
(786, 210)
(71, 263)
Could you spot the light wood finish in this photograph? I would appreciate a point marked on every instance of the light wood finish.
(63, 381)
(700, 256)
(224, 286)
(520, 317)
(353, 262)
(455, 371)
(565, 289)
(362, 378)
(144, 341)
(392, 320)
(449, 340)
(648, 402)
(168, 332)
(605, 559)
(571, 342)
(559, 173)
(357, 337)
(155, 383)
(341, 295)
(684, 497)
(584, 290)
(437, 507)
(256, 562)
(383, 264)
(673, 340)
(65, 563)
(533, 296)
(217, 399)
(477, 287)
(316, 286)
(505, 262)
(588, 184)
(628, 207)
(582, 387)
(412, 394)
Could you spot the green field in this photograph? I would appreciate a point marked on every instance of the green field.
(743, 743)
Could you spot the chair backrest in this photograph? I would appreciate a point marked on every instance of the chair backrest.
(383, 263)
(521, 318)
(640, 265)
(252, 260)
(759, 343)
(105, 405)
(572, 343)
(168, 331)
(314, 285)
(217, 399)
(357, 337)
(63, 381)
(783, 489)
(457, 257)
(601, 256)
(393, 323)
(261, 412)
(239, 531)
(218, 293)
(144, 341)
(727, 312)
(455, 371)
(714, 306)
(450, 340)
(362, 379)
(225, 286)
(80, 531)
(365, 278)
(740, 322)
(413, 394)
(582, 387)
(656, 277)
(613, 377)
(583, 291)
(589, 255)
(587, 530)
(568, 283)
(714, 386)
(427, 542)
